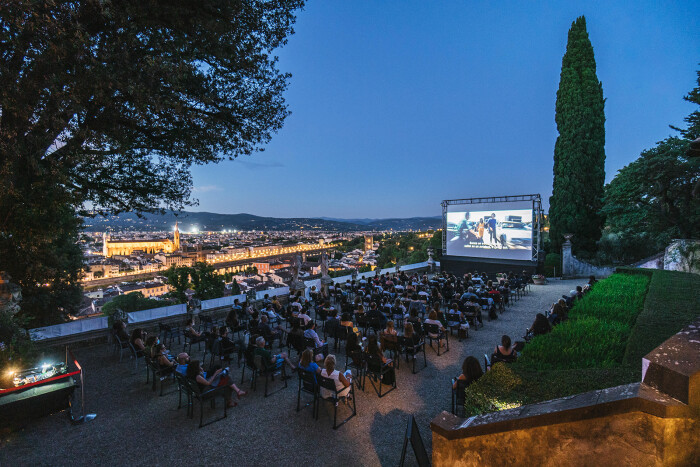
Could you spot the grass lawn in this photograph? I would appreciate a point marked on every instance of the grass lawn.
(623, 318)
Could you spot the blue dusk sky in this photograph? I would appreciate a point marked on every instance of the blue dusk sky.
(397, 105)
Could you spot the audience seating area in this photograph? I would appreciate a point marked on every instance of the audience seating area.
(403, 313)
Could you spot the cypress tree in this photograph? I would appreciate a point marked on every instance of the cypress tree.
(579, 153)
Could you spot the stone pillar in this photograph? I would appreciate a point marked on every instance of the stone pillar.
(567, 259)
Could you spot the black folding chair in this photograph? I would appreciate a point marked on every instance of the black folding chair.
(195, 393)
(376, 370)
(335, 398)
(412, 348)
(268, 373)
(433, 332)
(458, 398)
(308, 385)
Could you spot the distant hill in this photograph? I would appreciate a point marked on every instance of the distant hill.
(204, 221)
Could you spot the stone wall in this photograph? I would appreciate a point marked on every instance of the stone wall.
(574, 267)
(683, 255)
(635, 438)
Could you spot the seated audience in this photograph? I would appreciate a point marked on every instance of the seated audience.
(196, 373)
(390, 328)
(471, 371)
(504, 352)
(342, 380)
(137, 338)
(271, 361)
(307, 363)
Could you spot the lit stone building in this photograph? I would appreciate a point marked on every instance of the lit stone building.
(126, 247)
(369, 242)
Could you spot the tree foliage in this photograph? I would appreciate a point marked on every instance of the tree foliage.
(134, 301)
(42, 256)
(106, 105)
(115, 100)
(693, 120)
(202, 278)
(579, 152)
(650, 201)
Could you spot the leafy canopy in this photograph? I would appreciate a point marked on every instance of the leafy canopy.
(115, 100)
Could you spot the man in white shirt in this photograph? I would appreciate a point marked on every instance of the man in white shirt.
(302, 314)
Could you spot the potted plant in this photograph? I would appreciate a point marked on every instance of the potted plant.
(538, 279)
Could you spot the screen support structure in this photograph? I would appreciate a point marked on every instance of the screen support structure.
(537, 216)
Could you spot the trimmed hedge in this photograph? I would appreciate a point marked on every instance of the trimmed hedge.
(673, 301)
(584, 343)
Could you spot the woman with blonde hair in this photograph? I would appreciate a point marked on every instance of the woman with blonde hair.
(342, 380)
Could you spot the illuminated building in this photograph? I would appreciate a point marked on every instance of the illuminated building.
(126, 247)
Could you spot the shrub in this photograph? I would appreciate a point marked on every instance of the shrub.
(582, 343)
(552, 264)
(673, 301)
(619, 298)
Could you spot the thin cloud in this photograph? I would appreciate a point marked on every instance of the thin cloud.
(206, 188)
(260, 165)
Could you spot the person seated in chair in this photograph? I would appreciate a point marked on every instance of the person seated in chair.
(539, 327)
(161, 357)
(504, 352)
(390, 330)
(303, 314)
(469, 295)
(307, 363)
(342, 380)
(271, 361)
(471, 371)
(228, 346)
(267, 331)
(374, 350)
(195, 372)
(310, 333)
(432, 319)
(194, 335)
(182, 361)
(137, 340)
(374, 313)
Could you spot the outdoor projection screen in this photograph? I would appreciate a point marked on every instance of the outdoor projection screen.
(499, 230)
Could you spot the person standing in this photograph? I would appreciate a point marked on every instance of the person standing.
(493, 238)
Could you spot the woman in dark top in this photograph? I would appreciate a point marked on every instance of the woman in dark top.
(540, 326)
(504, 352)
(137, 338)
(471, 371)
(373, 349)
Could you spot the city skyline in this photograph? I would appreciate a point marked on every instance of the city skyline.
(397, 107)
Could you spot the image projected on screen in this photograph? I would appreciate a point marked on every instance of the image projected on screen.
(505, 234)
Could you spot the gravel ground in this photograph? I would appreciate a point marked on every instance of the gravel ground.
(134, 426)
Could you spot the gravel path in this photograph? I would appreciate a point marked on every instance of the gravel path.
(136, 427)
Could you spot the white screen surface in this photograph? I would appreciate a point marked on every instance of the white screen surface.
(490, 230)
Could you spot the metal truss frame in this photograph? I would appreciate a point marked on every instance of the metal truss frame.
(537, 216)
